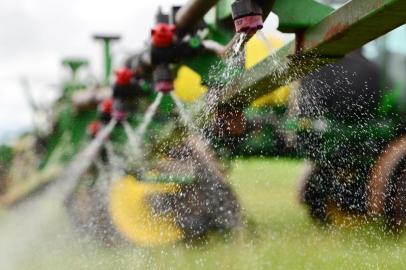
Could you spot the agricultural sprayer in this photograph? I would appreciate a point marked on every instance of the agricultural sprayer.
(151, 176)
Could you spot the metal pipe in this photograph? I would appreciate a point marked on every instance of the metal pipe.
(191, 13)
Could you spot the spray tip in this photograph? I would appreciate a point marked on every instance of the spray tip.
(248, 25)
(164, 86)
(119, 115)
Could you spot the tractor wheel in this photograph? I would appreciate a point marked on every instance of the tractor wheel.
(86, 207)
(395, 208)
(154, 214)
(304, 180)
(313, 194)
(219, 198)
(386, 192)
(315, 191)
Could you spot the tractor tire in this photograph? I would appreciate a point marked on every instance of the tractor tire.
(87, 211)
(149, 213)
(331, 194)
(304, 180)
(209, 203)
(313, 194)
(386, 191)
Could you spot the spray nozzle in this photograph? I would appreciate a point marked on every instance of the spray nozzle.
(247, 16)
(163, 79)
(119, 111)
(105, 110)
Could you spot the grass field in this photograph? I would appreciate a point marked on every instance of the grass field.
(278, 235)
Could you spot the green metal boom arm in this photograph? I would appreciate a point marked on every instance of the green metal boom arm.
(346, 29)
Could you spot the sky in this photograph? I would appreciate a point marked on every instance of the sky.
(36, 34)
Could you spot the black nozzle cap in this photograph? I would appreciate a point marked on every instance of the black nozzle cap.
(162, 73)
(243, 8)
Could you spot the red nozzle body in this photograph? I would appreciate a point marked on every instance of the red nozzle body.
(106, 106)
(124, 76)
(94, 128)
(163, 35)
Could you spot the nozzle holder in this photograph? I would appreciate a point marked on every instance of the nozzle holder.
(247, 16)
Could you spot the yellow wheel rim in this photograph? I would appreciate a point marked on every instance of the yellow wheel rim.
(133, 217)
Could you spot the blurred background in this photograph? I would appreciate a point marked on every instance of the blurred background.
(36, 35)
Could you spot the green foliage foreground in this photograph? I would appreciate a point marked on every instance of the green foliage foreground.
(278, 235)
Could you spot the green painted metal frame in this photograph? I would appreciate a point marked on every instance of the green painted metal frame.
(74, 64)
(297, 15)
(344, 30)
(107, 61)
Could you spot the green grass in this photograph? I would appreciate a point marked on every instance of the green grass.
(278, 235)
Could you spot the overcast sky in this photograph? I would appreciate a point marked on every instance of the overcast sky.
(36, 34)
